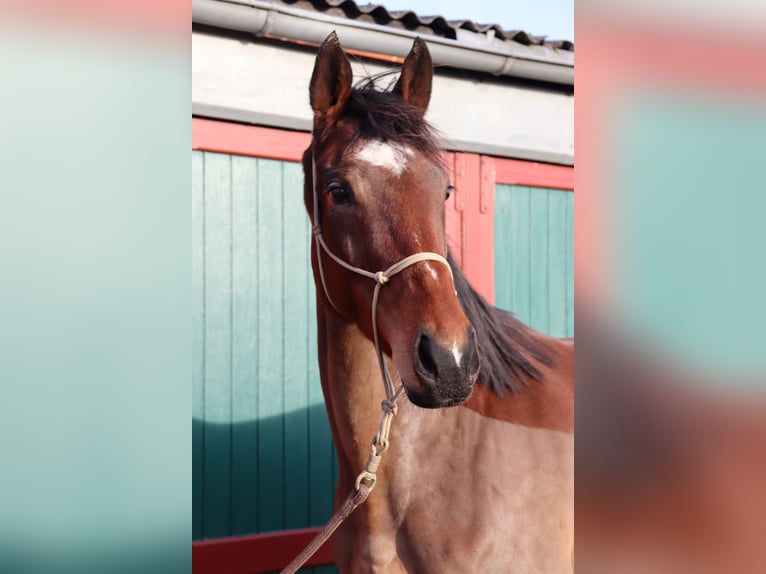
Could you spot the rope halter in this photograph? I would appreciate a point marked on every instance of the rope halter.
(380, 442)
(366, 479)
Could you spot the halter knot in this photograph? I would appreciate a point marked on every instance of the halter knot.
(316, 229)
(381, 277)
(389, 406)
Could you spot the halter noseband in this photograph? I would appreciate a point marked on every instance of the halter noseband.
(380, 278)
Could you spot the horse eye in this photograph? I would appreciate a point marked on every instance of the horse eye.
(339, 193)
(448, 192)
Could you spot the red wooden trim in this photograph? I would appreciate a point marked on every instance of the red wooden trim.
(240, 139)
(487, 185)
(484, 244)
(455, 207)
(256, 554)
(479, 224)
(516, 172)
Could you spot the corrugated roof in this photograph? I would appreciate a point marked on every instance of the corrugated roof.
(430, 25)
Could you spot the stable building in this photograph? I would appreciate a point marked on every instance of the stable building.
(503, 102)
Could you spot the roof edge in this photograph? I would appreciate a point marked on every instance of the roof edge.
(277, 21)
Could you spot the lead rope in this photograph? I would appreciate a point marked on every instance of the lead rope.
(366, 479)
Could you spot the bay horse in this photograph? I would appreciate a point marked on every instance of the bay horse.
(479, 473)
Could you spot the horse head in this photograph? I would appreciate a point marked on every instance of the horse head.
(375, 190)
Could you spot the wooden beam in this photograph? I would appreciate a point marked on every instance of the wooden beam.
(533, 174)
(241, 139)
(256, 554)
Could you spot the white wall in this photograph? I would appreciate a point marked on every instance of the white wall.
(260, 83)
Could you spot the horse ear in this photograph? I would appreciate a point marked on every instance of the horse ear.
(414, 84)
(330, 85)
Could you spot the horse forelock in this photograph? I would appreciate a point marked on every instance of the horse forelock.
(378, 115)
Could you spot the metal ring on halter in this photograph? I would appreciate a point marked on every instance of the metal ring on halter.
(365, 475)
(377, 442)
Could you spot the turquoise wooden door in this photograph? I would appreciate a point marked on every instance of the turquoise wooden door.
(263, 458)
(534, 256)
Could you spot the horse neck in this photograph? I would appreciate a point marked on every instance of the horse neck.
(353, 390)
(546, 402)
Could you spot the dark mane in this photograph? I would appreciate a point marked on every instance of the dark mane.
(505, 345)
(384, 115)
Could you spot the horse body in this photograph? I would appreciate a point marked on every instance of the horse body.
(459, 491)
(485, 486)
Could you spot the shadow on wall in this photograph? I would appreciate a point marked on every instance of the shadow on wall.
(275, 473)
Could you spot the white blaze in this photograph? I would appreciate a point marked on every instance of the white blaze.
(393, 157)
(456, 353)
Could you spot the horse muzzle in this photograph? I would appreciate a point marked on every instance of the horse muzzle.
(446, 371)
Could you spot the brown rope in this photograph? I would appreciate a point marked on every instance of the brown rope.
(354, 499)
(365, 482)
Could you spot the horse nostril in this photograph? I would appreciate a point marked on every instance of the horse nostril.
(425, 355)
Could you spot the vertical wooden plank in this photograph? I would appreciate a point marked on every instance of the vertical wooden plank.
(538, 260)
(270, 347)
(296, 371)
(503, 245)
(456, 221)
(487, 186)
(469, 165)
(483, 246)
(453, 211)
(570, 236)
(478, 259)
(244, 502)
(198, 340)
(520, 252)
(217, 345)
(557, 269)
